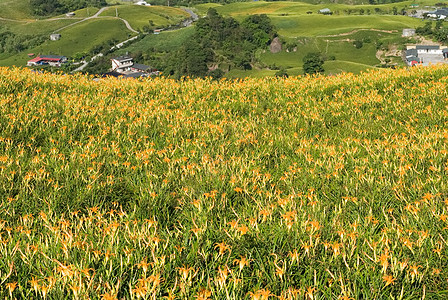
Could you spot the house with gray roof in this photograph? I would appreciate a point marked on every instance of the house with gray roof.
(125, 67)
(425, 54)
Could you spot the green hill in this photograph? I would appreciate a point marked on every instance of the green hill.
(16, 10)
(152, 16)
(84, 36)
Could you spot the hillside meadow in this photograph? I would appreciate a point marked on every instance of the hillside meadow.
(304, 187)
(81, 37)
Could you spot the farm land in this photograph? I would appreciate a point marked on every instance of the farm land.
(375, 26)
(304, 187)
(81, 38)
(307, 187)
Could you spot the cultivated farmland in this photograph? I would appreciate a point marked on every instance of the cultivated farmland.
(305, 187)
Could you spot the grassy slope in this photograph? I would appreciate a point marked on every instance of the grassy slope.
(165, 41)
(314, 25)
(296, 23)
(75, 39)
(328, 186)
(139, 16)
(84, 36)
(293, 24)
(15, 9)
(293, 8)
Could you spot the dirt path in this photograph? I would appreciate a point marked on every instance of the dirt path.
(12, 20)
(357, 30)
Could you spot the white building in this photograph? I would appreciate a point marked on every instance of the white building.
(426, 54)
(55, 36)
(142, 2)
(408, 32)
(122, 64)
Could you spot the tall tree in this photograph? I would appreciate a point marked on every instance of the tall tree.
(313, 63)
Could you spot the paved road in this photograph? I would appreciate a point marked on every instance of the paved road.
(117, 46)
(85, 19)
(128, 25)
(194, 17)
(192, 14)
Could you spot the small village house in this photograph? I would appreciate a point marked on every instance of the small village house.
(144, 3)
(407, 32)
(122, 63)
(425, 54)
(325, 11)
(123, 66)
(55, 36)
(439, 14)
(52, 60)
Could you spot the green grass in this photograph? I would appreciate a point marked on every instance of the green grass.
(163, 42)
(315, 25)
(340, 66)
(239, 9)
(342, 50)
(236, 73)
(201, 9)
(139, 16)
(37, 27)
(83, 13)
(15, 9)
(348, 58)
(292, 20)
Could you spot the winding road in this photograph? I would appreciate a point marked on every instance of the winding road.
(82, 20)
(186, 23)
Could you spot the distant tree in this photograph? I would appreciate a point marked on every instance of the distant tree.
(394, 10)
(259, 28)
(193, 59)
(424, 30)
(313, 63)
(281, 73)
(358, 44)
(52, 7)
(216, 74)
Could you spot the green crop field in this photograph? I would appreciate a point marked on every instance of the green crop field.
(139, 16)
(292, 20)
(298, 188)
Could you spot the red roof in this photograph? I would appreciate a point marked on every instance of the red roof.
(36, 59)
(43, 58)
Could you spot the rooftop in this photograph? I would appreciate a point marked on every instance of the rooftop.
(123, 58)
(141, 67)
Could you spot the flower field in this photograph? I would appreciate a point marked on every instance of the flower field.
(297, 188)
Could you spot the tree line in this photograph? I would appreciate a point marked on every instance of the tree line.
(219, 44)
(439, 32)
(13, 43)
(54, 7)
